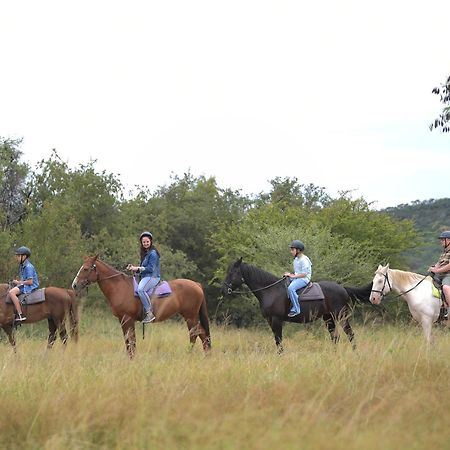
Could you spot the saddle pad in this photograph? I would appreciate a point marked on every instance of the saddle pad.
(37, 296)
(162, 289)
(312, 291)
(435, 291)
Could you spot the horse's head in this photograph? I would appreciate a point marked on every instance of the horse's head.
(380, 285)
(86, 275)
(233, 279)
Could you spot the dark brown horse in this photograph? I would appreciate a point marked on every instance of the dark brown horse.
(59, 303)
(187, 298)
(272, 295)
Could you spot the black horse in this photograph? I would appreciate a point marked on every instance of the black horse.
(272, 295)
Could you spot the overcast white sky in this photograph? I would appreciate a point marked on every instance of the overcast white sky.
(335, 93)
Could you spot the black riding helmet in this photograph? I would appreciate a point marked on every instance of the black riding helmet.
(23, 251)
(299, 245)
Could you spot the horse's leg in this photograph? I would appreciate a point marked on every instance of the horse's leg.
(427, 324)
(194, 328)
(52, 330)
(129, 334)
(9, 330)
(331, 327)
(343, 319)
(277, 328)
(349, 332)
(63, 333)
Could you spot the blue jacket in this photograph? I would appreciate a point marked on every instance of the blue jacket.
(150, 266)
(26, 272)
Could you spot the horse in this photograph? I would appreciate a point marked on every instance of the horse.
(58, 304)
(416, 289)
(187, 298)
(275, 304)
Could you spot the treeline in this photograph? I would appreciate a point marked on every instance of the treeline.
(429, 217)
(63, 213)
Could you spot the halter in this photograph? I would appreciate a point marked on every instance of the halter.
(230, 290)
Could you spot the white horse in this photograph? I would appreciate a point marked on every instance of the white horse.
(416, 289)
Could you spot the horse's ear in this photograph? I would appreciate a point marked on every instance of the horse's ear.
(239, 261)
(387, 266)
(96, 257)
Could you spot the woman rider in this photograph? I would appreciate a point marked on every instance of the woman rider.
(149, 272)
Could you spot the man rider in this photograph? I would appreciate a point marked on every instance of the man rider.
(442, 267)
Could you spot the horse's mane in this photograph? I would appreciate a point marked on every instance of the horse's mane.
(403, 276)
(108, 266)
(258, 275)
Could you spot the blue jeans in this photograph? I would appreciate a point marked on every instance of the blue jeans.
(296, 283)
(145, 285)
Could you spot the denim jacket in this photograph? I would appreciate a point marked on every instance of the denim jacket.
(150, 266)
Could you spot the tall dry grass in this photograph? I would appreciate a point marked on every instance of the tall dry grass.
(391, 393)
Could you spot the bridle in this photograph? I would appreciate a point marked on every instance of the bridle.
(386, 281)
(86, 282)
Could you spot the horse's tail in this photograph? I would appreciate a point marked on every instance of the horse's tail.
(361, 294)
(73, 314)
(203, 316)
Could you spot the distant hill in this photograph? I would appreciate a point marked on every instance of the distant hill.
(430, 218)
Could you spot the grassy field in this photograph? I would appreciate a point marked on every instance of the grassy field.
(392, 393)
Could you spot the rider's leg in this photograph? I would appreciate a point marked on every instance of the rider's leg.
(147, 284)
(296, 283)
(141, 290)
(13, 293)
(446, 291)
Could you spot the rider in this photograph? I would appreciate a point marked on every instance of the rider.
(149, 271)
(442, 267)
(301, 276)
(28, 281)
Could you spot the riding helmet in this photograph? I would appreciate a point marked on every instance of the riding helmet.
(23, 251)
(298, 245)
(445, 235)
(146, 233)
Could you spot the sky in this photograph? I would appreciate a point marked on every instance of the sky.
(333, 93)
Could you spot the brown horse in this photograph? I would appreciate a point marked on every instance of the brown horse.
(187, 298)
(59, 303)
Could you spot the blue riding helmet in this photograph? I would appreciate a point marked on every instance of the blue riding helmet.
(299, 245)
(23, 251)
(445, 235)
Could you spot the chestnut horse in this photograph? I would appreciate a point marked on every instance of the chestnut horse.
(187, 298)
(59, 303)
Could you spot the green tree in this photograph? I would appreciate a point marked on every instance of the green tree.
(92, 198)
(56, 243)
(442, 122)
(13, 183)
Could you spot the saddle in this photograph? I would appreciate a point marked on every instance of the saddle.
(162, 289)
(31, 298)
(312, 291)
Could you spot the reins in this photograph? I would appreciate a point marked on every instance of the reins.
(252, 291)
(94, 268)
